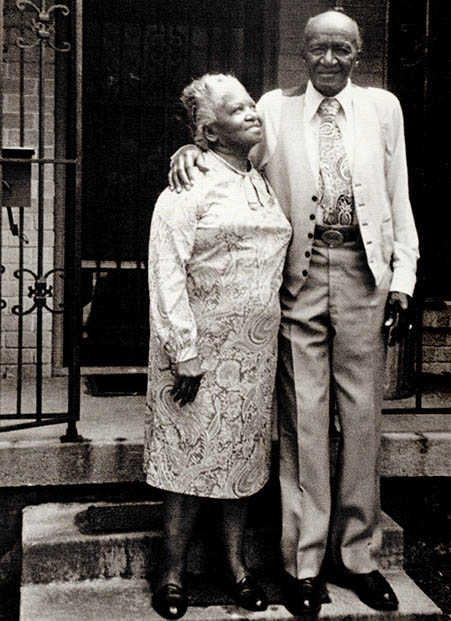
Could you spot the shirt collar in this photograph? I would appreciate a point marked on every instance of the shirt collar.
(313, 98)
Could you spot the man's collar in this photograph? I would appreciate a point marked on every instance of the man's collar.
(313, 98)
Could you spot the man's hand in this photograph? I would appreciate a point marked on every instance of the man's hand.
(183, 163)
(187, 381)
(398, 316)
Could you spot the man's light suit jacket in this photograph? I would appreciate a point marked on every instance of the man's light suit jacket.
(379, 179)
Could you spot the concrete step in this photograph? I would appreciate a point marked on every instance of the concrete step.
(60, 543)
(119, 600)
(413, 445)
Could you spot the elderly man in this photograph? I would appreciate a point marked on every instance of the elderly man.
(335, 155)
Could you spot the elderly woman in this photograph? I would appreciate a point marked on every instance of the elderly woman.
(215, 267)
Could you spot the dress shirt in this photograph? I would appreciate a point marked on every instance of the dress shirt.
(345, 121)
(345, 118)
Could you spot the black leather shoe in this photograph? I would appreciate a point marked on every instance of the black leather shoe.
(302, 597)
(248, 594)
(170, 601)
(372, 589)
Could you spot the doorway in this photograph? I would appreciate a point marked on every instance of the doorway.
(419, 73)
(138, 56)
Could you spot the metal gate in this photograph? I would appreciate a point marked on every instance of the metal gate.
(40, 175)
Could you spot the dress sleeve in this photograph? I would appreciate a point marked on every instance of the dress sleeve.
(172, 235)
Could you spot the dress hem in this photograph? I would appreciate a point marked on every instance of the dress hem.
(216, 497)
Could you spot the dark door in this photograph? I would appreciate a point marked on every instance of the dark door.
(419, 71)
(138, 56)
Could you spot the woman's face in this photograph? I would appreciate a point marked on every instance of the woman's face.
(237, 124)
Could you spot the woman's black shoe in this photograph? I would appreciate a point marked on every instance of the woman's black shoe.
(170, 601)
(248, 594)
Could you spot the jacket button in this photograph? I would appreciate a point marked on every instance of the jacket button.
(304, 273)
(314, 198)
(310, 235)
(312, 216)
(307, 254)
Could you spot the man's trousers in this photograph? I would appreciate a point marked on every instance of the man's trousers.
(333, 330)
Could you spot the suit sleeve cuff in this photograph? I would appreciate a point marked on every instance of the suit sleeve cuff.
(403, 281)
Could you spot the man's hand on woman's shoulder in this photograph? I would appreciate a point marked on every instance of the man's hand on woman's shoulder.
(182, 165)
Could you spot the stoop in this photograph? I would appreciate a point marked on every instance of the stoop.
(71, 571)
(58, 545)
(130, 600)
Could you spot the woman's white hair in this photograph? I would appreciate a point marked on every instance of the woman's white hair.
(201, 98)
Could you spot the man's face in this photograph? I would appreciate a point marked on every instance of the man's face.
(330, 52)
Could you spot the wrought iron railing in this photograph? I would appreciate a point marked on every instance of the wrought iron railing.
(40, 140)
(407, 363)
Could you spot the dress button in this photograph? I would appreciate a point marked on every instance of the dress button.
(307, 254)
(314, 198)
(304, 273)
(312, 216)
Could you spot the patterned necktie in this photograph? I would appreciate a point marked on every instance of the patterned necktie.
(337, 200)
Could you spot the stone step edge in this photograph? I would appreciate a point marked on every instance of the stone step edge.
(131, 599)
(54, 549)
(39, 523)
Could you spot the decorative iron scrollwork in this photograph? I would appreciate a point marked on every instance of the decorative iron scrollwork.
(40, 292)
(44, 25)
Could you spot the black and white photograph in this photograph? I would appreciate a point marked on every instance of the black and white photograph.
(225, 310)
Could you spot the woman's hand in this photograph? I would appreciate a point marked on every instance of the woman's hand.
(187, 381)
(183, 163)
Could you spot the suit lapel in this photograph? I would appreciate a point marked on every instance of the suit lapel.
(366, 126)
(297, 134)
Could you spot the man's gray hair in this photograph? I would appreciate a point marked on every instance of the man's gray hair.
(200, 99)
(312, 20)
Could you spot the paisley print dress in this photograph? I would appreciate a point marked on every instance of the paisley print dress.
(216, 256)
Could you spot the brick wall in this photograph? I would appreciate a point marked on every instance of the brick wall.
(12, 102)
(437, 340)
